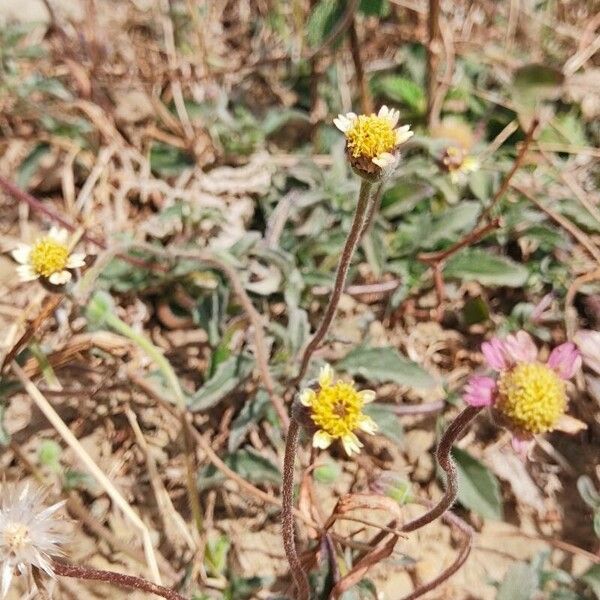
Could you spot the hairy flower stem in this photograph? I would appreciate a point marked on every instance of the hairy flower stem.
(446, 462)
(340, 277)
(287, 515)
(125, 581)
(115, 323)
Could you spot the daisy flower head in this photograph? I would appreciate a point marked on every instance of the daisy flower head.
(29, 533)
(336, 411)
(49, 258)
(458, 164)
(527, 396)
(372, 140)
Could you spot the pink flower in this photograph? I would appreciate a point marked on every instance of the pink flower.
(589, 343)
(526, 396)
(480, 391)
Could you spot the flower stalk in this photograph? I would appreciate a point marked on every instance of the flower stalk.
(287, 516)
(446, 462)
(340, 277)
(66, 569)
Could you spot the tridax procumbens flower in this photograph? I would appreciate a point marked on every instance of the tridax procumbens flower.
(49, 258)
(458, 164)
(336, 410)
(29, 534)
(528, 397)
(372, 140)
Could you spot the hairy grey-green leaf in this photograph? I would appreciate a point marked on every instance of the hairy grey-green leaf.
(478, 488)
(381, 365)
(227, 377)
(475, 264)
(520, 583)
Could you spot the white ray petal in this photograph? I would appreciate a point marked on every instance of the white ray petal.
(76, 260)
(60, 277)
(21, 253)
(26, 273)
(322, 439)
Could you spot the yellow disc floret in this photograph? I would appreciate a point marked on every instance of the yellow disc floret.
(532, 397)
(337, 409)
(48, 256)
(370, 136)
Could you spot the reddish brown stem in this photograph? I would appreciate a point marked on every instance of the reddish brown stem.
(432, 56)
(287, 513)
(458, 562)
(472, 238)
(446, 462)
(340, 277)
(366, 102)
(516, 165)
(125, 581)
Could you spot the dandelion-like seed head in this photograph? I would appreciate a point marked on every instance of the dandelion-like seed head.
(336, 410)
(532, 397)
(29, 533)
(49, 258)
(372, 140)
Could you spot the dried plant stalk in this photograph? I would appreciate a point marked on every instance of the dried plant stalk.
(52, 416)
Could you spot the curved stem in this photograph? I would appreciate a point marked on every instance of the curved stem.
(340, 277)
(287, 515)
(126, 581)
(458, 562)
(446, 462)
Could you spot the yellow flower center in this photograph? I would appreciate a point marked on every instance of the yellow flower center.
(16, 536)
(48, 256)
(532, 396)
(370, 136)
(337, 409)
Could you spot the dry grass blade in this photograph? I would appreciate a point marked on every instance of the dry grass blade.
(95, 471)
(175, 527)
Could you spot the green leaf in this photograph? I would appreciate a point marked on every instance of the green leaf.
(323, 19)
(475, 264)
(327, 473)
(404, 196)
(31, 163)
(215, 555)
(475, 311)
(227, 377)
(248, 464)
(380, 365)
(252, 412)
(533, 84)
(400, 89)
(478, 488)
(519, 583)
(385, 417)
(588, 492)
(374, 8)
(592, 579)
(49, 454)
(168, 160)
